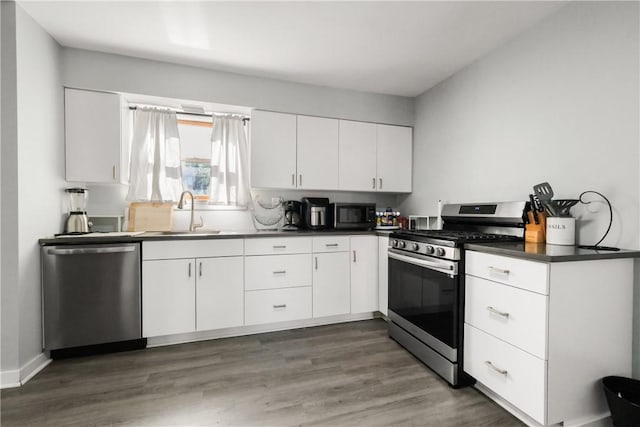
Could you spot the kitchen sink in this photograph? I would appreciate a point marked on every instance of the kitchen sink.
(181, 233)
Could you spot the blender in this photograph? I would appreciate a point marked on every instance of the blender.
(77, 222)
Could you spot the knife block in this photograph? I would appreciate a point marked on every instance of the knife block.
(536, 233)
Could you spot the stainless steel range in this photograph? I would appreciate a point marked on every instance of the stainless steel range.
(426, 281)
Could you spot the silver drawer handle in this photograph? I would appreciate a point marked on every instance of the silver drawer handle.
(279, 246)
(498, 370)
(331, 245)
(90, 251)
(498, 312)
(280, 272)
(279, 306)
(498, 270)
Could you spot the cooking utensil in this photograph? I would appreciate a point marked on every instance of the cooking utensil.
(533, 209)
(545, 194)
(562, 206)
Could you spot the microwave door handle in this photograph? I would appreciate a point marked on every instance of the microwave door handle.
(443, 267)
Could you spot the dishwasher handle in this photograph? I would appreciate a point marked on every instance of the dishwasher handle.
(94, 250)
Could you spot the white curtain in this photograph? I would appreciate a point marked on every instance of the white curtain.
(155, 173)
(229, 162)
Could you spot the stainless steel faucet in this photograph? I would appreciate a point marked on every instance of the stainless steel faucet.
(192, 226)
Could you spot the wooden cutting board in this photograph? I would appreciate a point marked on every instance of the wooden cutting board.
(150, 216)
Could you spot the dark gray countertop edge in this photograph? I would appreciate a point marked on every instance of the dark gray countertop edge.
(549, 253)
(150, 237)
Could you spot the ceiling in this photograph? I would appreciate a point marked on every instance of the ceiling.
(392, 47)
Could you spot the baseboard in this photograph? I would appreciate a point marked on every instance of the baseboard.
(10, 379)
(32, 367)
(256, 329)
(603, 420)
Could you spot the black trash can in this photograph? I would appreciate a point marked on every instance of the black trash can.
(623, 397)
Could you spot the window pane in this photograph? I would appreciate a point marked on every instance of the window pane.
(196, 175)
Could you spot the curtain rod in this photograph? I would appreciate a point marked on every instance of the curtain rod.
(244, 119)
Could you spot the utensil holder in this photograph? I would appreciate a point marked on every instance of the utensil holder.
(561, 230)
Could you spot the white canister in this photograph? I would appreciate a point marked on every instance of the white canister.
(561, 230)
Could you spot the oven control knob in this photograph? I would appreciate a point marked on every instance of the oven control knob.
(401, 244)
(415, 246)
(394, 243)
(429, 249)
(440, 252)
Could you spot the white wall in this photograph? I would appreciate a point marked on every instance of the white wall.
(560, 103)
(9, 298)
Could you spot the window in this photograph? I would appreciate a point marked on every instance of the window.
(195, 147)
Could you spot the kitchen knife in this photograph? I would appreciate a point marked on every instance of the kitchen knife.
(533, 209)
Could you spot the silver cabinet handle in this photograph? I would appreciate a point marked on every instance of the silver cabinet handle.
(189, 269)
(498, 312)
(373, 183)
(300, 180)
(114, 172)
(280, 272)
(293, 179)
(200, 272)
(316, 258)
(492, 366)
(354, 256)
(279, 246)
(498, 270)
(331, 245)
(83, 251)
(276, 306)
(380, 186)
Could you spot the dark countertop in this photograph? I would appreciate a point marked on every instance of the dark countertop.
(548, 253)
(156, 236)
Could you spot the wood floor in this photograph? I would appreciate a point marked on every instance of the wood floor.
(349, 374)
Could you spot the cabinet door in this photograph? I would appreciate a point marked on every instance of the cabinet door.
(357, 156)
(219, 293)
(394, 161)
(383, 275)
(364, 274)
(331, 295)
(92, 136)
(273, 150)
(317, 153)
(168, 297)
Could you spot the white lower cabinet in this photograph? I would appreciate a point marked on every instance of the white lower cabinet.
(277, 305)
(383, 275)
(542, 335)
(364, 274)
(181, 294)
(219, 293)
(331, 293)
(168, 297)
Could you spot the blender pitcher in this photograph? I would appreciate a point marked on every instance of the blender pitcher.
(77, 221)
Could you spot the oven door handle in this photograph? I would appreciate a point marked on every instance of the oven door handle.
(442, 266)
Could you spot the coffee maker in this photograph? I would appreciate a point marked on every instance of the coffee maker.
(77, 221)
(314, 212)
(292, 215)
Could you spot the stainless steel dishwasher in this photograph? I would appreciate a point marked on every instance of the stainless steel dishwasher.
(91, 295)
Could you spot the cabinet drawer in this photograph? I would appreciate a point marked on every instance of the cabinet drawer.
(278, 245)
(331, 244)
(523, 380)
(277, 305)
(529, 275)
(277, 271)
(514, 315)
(205, 248)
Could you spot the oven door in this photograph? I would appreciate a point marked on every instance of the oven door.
(424, 299)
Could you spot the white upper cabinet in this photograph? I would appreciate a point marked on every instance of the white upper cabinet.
(93, 137)
(394, 152)
(317, 153)
(273, 150)
(357, 156)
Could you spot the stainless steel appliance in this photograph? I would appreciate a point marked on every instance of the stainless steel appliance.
(91, 295)
(352, 216)
(77, 221)
(292, 215)
(426, 281)
(314, 212)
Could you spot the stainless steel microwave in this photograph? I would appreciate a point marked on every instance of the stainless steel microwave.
(352, 216)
